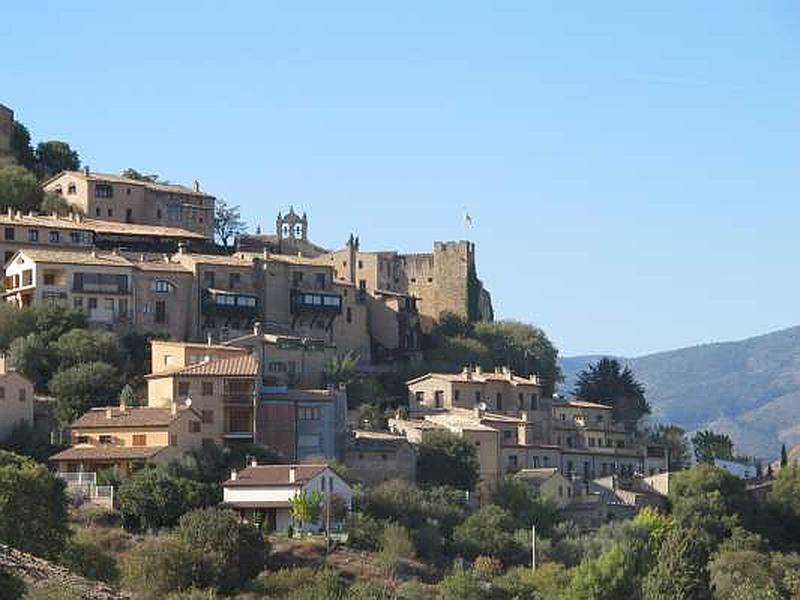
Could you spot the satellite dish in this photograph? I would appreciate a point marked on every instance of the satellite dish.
(188, 401)
(482, 406)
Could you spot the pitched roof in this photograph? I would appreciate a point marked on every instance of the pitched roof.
(537, 476)
(245, 365)
(299, 395)
(233, 260)
(376, 441)
(113, 178)
(475, 377)
(76, 257)
(138, 416)
(107, 452)
(275, 475)
(96, 225)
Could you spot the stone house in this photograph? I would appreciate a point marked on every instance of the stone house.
(375, 456)
(16, 399)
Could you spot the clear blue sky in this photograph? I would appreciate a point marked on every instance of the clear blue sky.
(632, 170)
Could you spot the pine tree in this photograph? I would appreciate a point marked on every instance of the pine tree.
(784, 456)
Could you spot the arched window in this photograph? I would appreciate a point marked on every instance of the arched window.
(285, 230)
(298, 230)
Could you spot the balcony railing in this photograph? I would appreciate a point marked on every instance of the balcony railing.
(302, 301)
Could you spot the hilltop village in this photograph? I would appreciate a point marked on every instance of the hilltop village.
(360, 400)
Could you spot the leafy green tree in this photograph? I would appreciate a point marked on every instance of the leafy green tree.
(526, 505)
(614, 574)
(489, 531)
(548, 581)
(678, 573)
(11, 586)
(364, 531)
(54, 320)
(21, 146)
(305, 508)
(32, 357)
(709, 445)
(341, 369)
(674, 438)
(396, 545)
(19, 189)
(150, 500)
(15, 322)
(783, 504)
(461, 584)
(86, 345)
(56, 204)
(33, 506)
(228, 222)
(134, 174)
(452, 325)
(452, 353)
(55, 156)
(238, 548)
(735, 573)
(157, 567)
(82, 387)
(444, 458)
(608, 382)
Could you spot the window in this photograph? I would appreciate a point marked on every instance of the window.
(110, 212)
(108, 305)
(620, 444)
(362, 285)
(2, 392)
(499, 401)
(49, 279)
(92, 303)
(361, 264)
(23, 395)
(54, 237)
(297, 278)
(9, 233)
(522, 401)
(512, 462)
(321, 279)
(506, 434)
(173, 439)
(58, 190)
(591, 442)
(158, 214)
(105, 438)
(208, 278)
(161, 311)
(102, 190)
(97, 212)
(570, 466)
(477, 397)
(534, 402)
(420, 397)
(438, 397)
(33, 235)
(122, 307)
(298, 230)
(349, 315)
(72, 189)
(140, 439)
(183, 389)
(234, 279)
(128, 214)
(308, 413)
(75, 237)
(207, 416)
(456, 395)
(285, 230)
(207, 388)
(194, 426)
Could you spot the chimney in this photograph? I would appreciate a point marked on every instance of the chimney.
(234, 475)
(19, 215)
(109, 413)
(196, 185)
(292, 473)
(478, 370)
(257, 328)
(10, 213)
(181, 247)
(86, 170)
(254, 462)
(173, 409)
(141, 258)
(94, 253)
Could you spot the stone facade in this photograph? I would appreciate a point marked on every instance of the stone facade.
(373, 457)
(123, 200)
(16, 399)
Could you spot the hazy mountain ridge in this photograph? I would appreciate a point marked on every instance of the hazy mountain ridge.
(748, 388)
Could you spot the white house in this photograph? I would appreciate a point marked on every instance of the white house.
(263, 492)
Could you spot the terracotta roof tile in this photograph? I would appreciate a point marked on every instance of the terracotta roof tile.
(245, 365)
(275, 475)
(75, 257)
(139, 416)
(97, 225)
(107, 452)
(113, 178)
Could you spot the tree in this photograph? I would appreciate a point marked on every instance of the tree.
(82, 387)
(341, 369)
(614, 574)
(127, 397)
(444, 458)
(549, 580)
(134, 174)
(19, 189)
(784, 456)
(56, 204)
(55, 156)
(305, 508)
(32, 357)
(526, 505)
(33, 506)
(396, 545)
(734, 574)
(11, 586)
(489, 531)
(678, 572)
(21, 146)
(674, 438)
(228, 222)
(783, 503)
(15, 322)
(84, 557)
(709, 445)
(84, 346)
(461, 584)
(238, 548)
(150, 500)
(523, 348)
(54, 320)
(608, 382)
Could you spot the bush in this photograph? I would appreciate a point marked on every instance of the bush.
(150, 500)
(549, 580)
(84, 345)
(238, 549)
(364, 532)
(85, 558)
(159, 566)
(53, 591)
(445, 458)
(82, 387)
(280, 583)
(461, 585)
(396, 545)
(11, 586)
(487, 568)
(489, 531)
(526, 505)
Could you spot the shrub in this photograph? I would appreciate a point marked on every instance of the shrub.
(84, 557)
(157, 567)
(11, 586)
(461, 585)
(280, 583)
(487, 568)
(364, 532)
(396, 545)
(549, 580)
(488, 531)
(150, 500)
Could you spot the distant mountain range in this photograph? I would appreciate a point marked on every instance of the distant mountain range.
(749, 389)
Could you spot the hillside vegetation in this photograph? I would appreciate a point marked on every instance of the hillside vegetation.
(749, 388)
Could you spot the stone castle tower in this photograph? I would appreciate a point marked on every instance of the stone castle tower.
(291, 226)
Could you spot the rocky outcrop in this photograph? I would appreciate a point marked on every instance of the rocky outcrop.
(39, 572)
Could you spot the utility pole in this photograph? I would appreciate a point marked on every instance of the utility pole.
(533, 547)
(328, 517)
